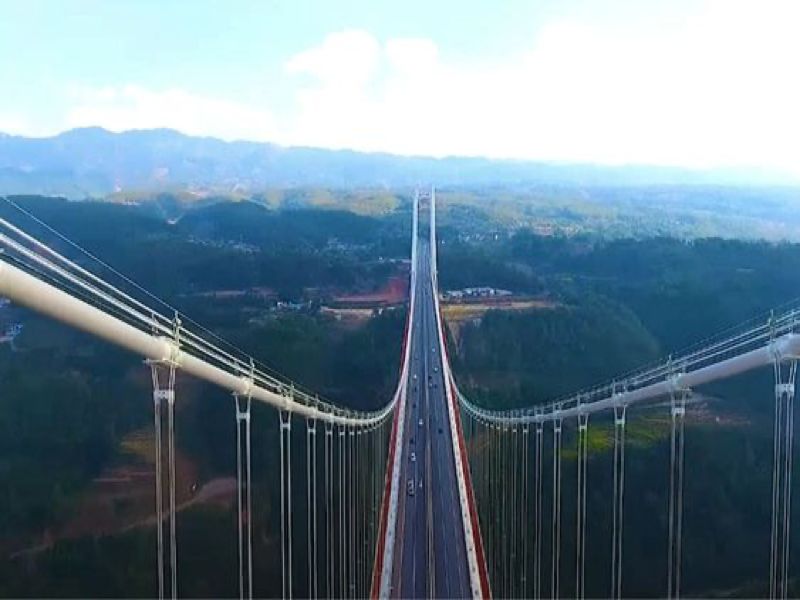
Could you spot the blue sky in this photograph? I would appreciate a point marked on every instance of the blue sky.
(686, 82)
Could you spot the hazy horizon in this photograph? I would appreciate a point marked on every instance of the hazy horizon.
(764, 176)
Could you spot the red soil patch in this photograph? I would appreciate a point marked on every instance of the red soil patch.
(394, 292)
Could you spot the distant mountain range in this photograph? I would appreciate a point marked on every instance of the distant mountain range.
(95, 162)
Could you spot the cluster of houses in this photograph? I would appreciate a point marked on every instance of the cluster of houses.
(476, 292)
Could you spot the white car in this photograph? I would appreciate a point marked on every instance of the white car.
(413, 457)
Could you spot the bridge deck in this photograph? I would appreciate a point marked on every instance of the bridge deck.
(430, 553)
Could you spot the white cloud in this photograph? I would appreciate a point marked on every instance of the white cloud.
(15, 124)
(135, 107)
(347, 58)
(716, 88)
(412, 55)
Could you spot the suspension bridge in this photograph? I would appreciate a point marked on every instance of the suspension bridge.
(432, 495)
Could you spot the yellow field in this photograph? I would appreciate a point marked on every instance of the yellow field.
(462, 311)
(140, 443)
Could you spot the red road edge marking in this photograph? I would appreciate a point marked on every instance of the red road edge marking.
(477, 538)
(377, 567)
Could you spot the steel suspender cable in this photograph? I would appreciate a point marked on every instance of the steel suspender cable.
(555, 572)
(315, 500)
(369, 469)
(499, 504)
(347, 499)
(348, 518)
(342, 535)
(787, 477)
(374, 472)
(492, 484)
(358, 514)
(311, 503)
(510, 525)
(499, 499)
(538, 506)
(504, 505)
(511, 513)
(483, 487)
(496, 508)
(580, 529)
(486, 467)
(368, 466)
(361, 488)
(530, 507)
(173, 549)
(678, 412)
(244, 501)
(509, 510)
(785, 375)
(249, 477)
(159, 480)
(526, 446)
(777, 432)
(495, 480)
(372, 466)
(163, 376)
(492, 506)
(521, 508)
(484, 477)
(488, 491)
(619, 489)
(511, 528)
(329, 517)
(366, 506)
(286, 502)
(351, 505)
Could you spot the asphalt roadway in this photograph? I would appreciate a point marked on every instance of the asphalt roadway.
(430, 557)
